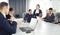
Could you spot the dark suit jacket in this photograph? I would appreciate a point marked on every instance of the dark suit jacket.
(5, 27)
(49, 18)
(37, 14)
(28, 17)
(8, 16)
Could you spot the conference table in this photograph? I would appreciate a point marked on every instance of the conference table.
(42, 28)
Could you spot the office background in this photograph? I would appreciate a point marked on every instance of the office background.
(22, 6)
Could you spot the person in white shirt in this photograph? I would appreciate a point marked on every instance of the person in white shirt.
(37, 11)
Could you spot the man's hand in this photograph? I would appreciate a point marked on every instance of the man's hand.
(42, 19)
(11, 19)
(40, 15)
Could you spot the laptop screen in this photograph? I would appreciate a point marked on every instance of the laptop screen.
(33, 23)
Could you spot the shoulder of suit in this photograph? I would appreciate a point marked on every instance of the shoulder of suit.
(40, 9)
(1, 15)
(27, 14)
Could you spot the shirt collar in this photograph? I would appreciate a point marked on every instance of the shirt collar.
(3, 14)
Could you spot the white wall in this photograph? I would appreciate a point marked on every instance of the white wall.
(56, 5)
(4, 1)
(27, 5)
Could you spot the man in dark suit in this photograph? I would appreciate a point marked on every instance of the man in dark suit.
(50, 17)
(28, 16)
(37, 11)
(10, 14)
(5, 27)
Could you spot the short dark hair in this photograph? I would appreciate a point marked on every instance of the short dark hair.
(2, 4)
(50, 8)
(29, 10)
(10, 9)
(38, 5)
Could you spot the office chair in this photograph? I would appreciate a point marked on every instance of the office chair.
(58, 17)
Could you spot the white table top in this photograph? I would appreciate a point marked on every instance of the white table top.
(42, 28)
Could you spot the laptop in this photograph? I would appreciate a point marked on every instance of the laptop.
(31, 26)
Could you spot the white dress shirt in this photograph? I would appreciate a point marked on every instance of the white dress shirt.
(3, 14)
(37, 11)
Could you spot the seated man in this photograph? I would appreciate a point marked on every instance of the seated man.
(28, 16)
(50, 16)
(10, 16)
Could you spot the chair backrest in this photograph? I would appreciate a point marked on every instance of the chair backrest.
(17, 16)
(23, 15)
(58, 15)
(33, 23)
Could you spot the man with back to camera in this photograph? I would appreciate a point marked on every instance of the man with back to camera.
(5, 27)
